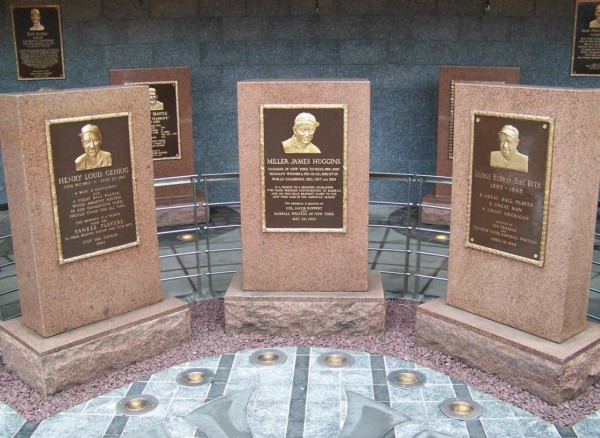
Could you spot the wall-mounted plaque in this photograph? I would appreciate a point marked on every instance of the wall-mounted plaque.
(93, 190)
(39, 52)
(509, 185)
(164, 119)
(303, 153)
(585, 57)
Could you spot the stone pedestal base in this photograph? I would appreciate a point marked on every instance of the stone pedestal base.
(436, 209)
(554, 372)
(56, 363)
(305, 313)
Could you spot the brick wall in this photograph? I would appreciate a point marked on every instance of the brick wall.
(397, 44)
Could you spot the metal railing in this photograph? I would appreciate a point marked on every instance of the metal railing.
(410, 255)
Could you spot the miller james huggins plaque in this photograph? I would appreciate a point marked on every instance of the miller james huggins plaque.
(303, 168)
(37, 33)
(509, 185)
(93, 190)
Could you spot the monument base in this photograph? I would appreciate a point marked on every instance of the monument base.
(435, 209)
(554, 372)
(58, 362)
(305, 313)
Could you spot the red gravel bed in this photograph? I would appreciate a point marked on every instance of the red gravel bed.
(209, 339)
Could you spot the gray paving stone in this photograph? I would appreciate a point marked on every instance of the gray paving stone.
(536, 428)
(10, 423)
(495, 428)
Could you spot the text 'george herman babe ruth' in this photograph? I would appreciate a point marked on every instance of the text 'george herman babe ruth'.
(304, 129)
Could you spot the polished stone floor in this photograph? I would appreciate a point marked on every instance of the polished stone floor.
(301, 397)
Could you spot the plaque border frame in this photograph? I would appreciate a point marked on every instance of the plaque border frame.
(547, 181)
(91, 118)
(344, 227)
(149, 83)
(575, 16)
(60, 35)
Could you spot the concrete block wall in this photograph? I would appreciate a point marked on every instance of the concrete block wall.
(397, 44)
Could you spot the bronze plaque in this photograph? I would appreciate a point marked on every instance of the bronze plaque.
(585, 57)
(38, 42)
(93, 190)
(509, 185)
(164, 119)
(303, 149)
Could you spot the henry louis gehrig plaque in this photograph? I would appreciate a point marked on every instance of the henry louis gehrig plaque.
(509, 185)
(93, 189)
(303, 151)
(38, 42)
(164, 118)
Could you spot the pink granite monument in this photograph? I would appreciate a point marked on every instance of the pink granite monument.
(79, 185)
(436, 208)
(523, 218)
(304, 179)
(170, 113)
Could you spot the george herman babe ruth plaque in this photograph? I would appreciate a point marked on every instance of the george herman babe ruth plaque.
(509, 180)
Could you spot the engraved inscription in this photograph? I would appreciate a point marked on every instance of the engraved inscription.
(94, 206)
(304, 185)
(508, 197)
(38, 42)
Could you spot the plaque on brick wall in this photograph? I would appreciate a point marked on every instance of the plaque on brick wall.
(585, 56)
(303, 160)
(93, 184)
(509, 183)
(37, 33)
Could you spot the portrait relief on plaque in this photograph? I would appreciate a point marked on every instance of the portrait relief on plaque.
(305, 125)
(303, 167)
(37, 32)
(163, 108)
(92, 174)
(509, 184)
(508, 157)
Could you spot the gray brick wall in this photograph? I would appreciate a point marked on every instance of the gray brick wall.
(397, 44)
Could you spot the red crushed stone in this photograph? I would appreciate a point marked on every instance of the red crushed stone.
(209, 339)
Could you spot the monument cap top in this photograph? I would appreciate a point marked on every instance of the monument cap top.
(510, 131)
(306, 117)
